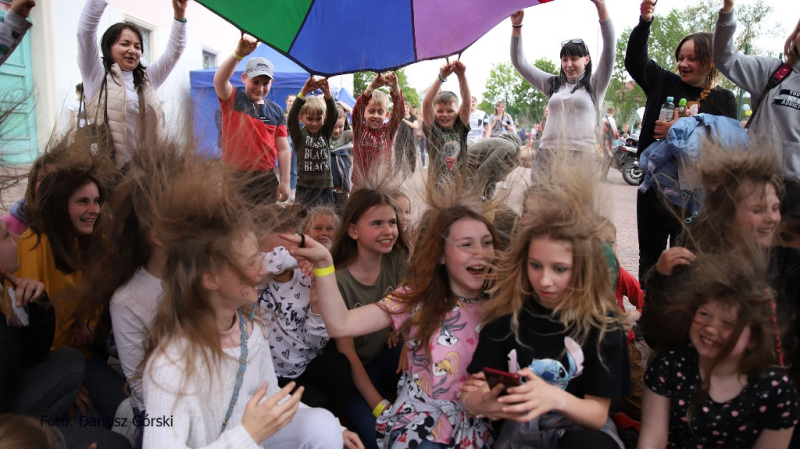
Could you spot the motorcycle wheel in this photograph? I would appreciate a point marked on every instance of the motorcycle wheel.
(632, 173)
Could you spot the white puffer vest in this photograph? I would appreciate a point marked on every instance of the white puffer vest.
(118, 122)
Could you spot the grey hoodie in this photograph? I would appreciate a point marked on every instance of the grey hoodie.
(777, 121)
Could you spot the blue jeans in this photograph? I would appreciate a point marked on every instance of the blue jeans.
(48, 389)
(359, 413)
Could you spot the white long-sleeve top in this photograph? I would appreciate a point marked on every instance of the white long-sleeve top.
(197, 408)
(93, 71)
(133, 310)
(573, 117)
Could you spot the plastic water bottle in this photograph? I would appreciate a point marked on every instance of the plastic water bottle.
(667, 110)
(682, 107)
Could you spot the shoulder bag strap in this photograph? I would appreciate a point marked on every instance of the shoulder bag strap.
(776, 78)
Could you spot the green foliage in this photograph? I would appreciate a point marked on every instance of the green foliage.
(361, 81)
(523, 101)
(666, 32)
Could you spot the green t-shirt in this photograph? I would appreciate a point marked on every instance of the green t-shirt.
(393, 270)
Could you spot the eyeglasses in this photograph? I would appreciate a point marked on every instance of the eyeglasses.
(574, 41)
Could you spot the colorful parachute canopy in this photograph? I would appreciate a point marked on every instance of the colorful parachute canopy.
(331, 37)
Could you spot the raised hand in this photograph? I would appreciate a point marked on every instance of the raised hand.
(263, 420)
(390, 79)
(459, 68)
(648, 8)
(446, 70)
(377, 82)
(179, 6)
(322, 84)
(727, 6)
(246, 45)
(22, 8)
(310, 86)
(516, 18)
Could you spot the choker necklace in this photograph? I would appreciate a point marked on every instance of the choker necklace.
(480, 297)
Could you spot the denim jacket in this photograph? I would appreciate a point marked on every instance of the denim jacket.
(670, 164)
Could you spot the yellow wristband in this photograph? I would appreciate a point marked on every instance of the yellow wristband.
(322, 272)
(236, 56)
(379, 408)
(301, 95)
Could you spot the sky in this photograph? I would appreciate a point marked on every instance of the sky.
(547, 25)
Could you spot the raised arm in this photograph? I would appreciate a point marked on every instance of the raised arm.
(89, 62)
(331, 111)
(460, 70)
(602, 76)
(222, 83)
(538, 78)
(637, 60)
(430, 94)
(159, 71)
(399, 106)
(751, 73)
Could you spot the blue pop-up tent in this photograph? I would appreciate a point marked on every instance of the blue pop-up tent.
(289, 79)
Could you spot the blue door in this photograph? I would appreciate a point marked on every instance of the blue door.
(18, 129)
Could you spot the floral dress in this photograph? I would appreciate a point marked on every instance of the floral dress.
(428, 405)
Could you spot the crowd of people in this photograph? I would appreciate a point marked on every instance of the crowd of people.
(253, 301)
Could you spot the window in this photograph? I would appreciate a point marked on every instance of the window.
(209, 59)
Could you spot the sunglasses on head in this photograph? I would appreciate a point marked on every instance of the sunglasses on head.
(574, 41)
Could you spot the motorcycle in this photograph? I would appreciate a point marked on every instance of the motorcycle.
(624, 159)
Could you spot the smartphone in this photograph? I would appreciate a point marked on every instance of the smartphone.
(495, 376)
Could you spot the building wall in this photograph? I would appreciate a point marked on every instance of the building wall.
(55, 50)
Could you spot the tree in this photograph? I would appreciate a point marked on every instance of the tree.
(523, 101)
(362, 79)
(667, 31)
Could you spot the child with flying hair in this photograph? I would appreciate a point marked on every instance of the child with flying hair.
(320, 224)
(717, 384)
(741, 203)
(312, 143)
(372, 138)
(446, 124)
(553, 313)
(439, 313)
(208, 367)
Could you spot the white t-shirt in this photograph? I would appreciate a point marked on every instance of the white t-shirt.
(477, 121)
